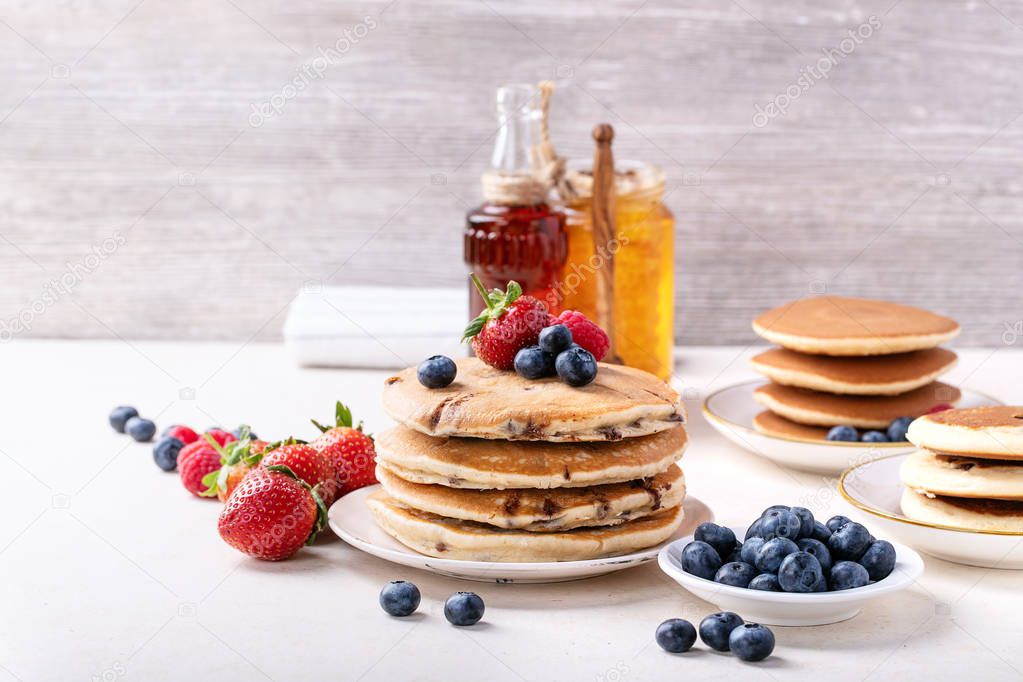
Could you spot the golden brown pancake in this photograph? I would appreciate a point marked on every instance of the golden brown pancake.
(543, 510)
(484, 402)
(959, 512)
(769, 423)
(488, 464)
(958, 476)
(826, 409)
(839, 325)
(994, 432)
(865, 375)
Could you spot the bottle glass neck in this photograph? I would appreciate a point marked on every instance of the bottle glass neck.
(519, 116)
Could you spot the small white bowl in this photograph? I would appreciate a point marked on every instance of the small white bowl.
(787, 608)
(730, 411)
(874, 488)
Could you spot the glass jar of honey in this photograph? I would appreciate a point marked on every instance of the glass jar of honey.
(643, 249)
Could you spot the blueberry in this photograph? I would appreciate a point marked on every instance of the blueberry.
(576, 366)
(874, 437)
(751, 642)
(735, 555)
(555, 339)
(120, 415)
(400, 598)
(700, 559)
(898, 428)
(822, 586)
(463, 608)
(818, 549)
(736, 574)
(140, 429)
(165, 452)
(848, 575)
(754, 530)
(849, 542)
(720, 538)
(820, 532)
(715, 629)
(766, 582)
(533, 363)
(799, 572)
(770, 556)
(836, 522)
(774, 507)
(436, 371)
(806, 521)
(879, 560)
(846, 433)
(780, 523)
(675, 634)
(750, 549)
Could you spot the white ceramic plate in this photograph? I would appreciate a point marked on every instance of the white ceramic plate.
(730, 411)
(785, 608)
(352, 521)
(875, 489)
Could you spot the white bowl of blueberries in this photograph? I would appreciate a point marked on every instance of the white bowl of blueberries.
(789, 568)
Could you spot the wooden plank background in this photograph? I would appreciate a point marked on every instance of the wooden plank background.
(126, 132)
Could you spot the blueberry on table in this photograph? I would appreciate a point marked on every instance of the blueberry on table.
(463, 608)
(843, 433)
(751, 642)
(715, 629)
(576, 366)
(836, 522)
(400, 598)
(700, 559)
(772, 553)
(720, 538)
(736, 574)
(820, 532)
(436, 371)
(806, 520)
(750, 549)
(120, 415)
(818, 549)
(165, 452)
(898, 428)
(780, 523)
(555, 339)
(532, 362)
(874, 437)
(848, 575)
(849, 542)
(676, 635)
(879, 560)
(799, 572)
(140, 429)
(766, 582)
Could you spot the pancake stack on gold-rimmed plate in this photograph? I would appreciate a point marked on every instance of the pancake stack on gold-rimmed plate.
(968, 469)
(850, 361)
(499, 468)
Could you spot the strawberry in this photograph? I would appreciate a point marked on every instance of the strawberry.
(586, 333)
(237, 458)
(182, 433)
(510, 322)
(271, 514)
(350, 450)
(195, 461)
(309, 464)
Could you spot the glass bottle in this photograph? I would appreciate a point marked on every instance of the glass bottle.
(515, 234)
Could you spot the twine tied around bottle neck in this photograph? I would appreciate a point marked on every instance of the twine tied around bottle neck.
(529, 188)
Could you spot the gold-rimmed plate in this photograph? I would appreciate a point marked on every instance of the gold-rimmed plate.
(874, 488)
(731, 410)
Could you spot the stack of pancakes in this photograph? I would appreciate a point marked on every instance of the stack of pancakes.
(851, 361)
(495, 467)
(968, 470)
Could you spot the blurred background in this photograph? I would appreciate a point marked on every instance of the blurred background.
(148, 192)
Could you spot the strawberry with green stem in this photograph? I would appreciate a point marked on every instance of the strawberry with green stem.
(237, 458)
(352, 452)
(509, 323)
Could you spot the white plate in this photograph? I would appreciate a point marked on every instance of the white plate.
(874, 488)
(786, 608)
(352, 521)
(730, 411)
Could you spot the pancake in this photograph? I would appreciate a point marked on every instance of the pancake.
(983, 515)
(839, 325)
(484, 402)
(494, 464)
(446, 538)
(963, 476)
(872, 375)
(769, 423)
(869, 412)
(543, 510)
(986, 432)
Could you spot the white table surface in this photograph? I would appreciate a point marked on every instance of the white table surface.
(109, 570)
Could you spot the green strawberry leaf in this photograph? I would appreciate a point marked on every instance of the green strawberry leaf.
(284, 469)
(497, 303)
(211, 481)
(321, 515)
(342, 415)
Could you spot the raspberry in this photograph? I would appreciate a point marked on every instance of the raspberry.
(182, 433)
(199, 463)
(586, 333)
(222, 437)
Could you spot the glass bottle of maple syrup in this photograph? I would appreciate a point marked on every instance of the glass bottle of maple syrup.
(515, 234)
